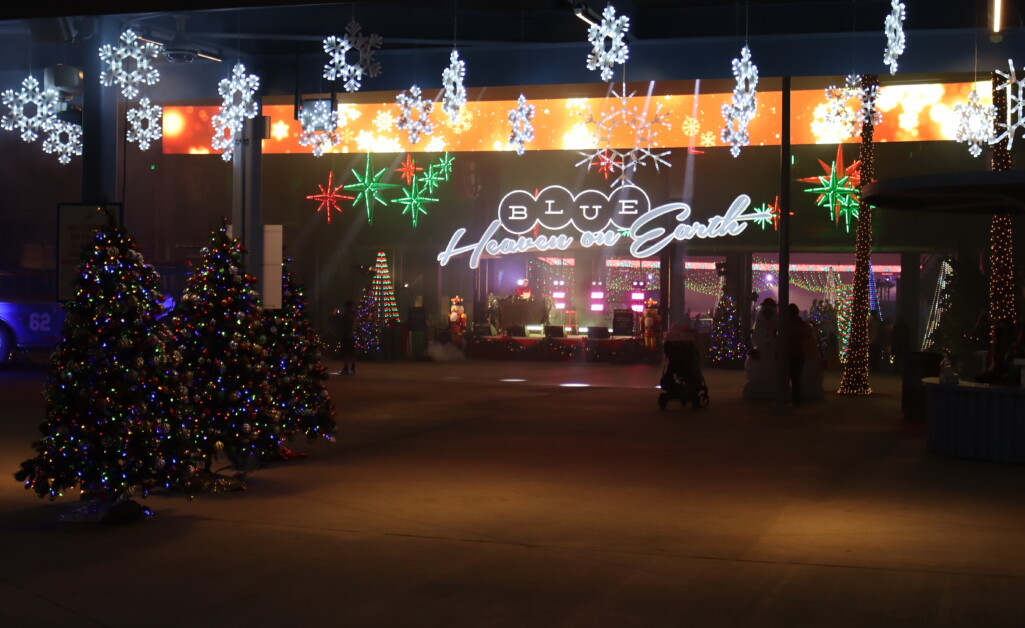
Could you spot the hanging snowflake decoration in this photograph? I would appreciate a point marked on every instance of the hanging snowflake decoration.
(319, 127)
(455, 94)
(644, 130)
(868, 111)
(144, 124)
(1015, 120)
(415, 116)
(975, 123)
(64, 139)
(128, 65)
(743, 106)
(239, 104)
(894, 28)
(614, 30)
(521, 121)
(32, 110)
(838, 114)
(365, 65)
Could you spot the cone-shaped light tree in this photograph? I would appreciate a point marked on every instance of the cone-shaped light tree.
(114, 423)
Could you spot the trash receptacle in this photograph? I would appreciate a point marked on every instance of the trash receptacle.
(917, 364)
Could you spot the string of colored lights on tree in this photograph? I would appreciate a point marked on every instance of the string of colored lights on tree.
(367, 334)
(295, 373)
(383, 290)
(726, 347)
(936, 306)
(115, 405)
(613, 30)
(218, 328)
(855, 375)
(1001, 236)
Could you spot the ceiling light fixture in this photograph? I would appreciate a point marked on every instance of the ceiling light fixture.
(585, 13)
(998, 9)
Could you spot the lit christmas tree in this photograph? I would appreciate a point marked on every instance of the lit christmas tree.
(219, 332)
(114, 424)
(296, 374)
(726, 343)
(368, 326)
(384, 292)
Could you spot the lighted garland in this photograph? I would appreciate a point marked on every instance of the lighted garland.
(855, 375)
(383, 289)
(1001, 236)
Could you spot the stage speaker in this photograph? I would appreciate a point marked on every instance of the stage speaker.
(516, 330)
(554, 331)
(601, 332)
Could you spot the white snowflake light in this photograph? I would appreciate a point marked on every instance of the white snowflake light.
(609, 158)
(614, 30)
(65, 139)
(319, 127)
(338, 67)
(239, 104)
(455, 93)
(838, 115)
(1015, 120)
(743, 106)
(144, 124)
(32, 110)
(415, 116)
(894, 28)
(128, 65)
(869, 111)
(975, 123)
(521, 120)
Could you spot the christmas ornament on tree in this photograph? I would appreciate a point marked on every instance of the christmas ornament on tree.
(614, 30)
(219, 332)
(115, 421)
(129, 65)
(296, 374)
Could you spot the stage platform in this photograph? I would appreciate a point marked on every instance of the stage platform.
(619, 349)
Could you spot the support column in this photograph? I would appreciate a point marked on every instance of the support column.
(246, 214)
(100, 120)
(783, 356)
(908, 290)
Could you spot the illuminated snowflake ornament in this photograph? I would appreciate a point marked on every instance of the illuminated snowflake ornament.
(239, 104)
(521, 121)
(144, 124)
(64, 139)
(623, 117)
(894, 28)
(415, 114)
(338, 48)
(975, 123)
(614, 30)
(838, 115)
(743, 106)
(1013, 90)
(128, 65)
(868, 111)
(32, 110)
(319, 124)
(455, 94)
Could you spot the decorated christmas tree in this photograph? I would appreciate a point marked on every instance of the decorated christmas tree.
(296, 374)
(219, 331)
(726, 343)
(368, 326)
(114, 425)
(384, 291)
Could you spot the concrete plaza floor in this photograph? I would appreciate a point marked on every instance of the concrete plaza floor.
(453, 498)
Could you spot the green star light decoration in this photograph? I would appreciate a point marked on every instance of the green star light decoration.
(414, 199)
(368, 187)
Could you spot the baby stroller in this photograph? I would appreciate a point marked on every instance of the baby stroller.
(681, 376)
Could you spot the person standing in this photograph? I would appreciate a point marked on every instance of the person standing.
(800, 337)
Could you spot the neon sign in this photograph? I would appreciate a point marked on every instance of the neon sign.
(599, 219)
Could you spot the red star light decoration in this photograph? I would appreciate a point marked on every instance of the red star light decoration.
(606, 164)
(408, 169)
(329, 196)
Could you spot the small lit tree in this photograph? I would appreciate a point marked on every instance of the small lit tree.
(726, 342)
